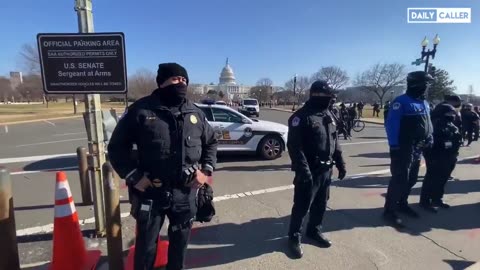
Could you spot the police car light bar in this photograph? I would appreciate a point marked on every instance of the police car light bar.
(208, 101)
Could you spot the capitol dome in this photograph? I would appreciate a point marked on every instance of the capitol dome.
(227, 76)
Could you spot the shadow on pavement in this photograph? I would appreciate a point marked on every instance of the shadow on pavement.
(237, 157)
(458, 265)
(373, 155)
(238, 241)
(261, 168)
(71, 162)
(46, 206)
(469, 161)
(49, 236)
(372, 137)
(227, 243)
(457, 187)
(53, 163)
(364, 182)
(452, 219)
(375, 165)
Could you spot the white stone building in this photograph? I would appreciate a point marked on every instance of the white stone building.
(227, 84)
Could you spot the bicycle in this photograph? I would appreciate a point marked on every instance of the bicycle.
(358, 125)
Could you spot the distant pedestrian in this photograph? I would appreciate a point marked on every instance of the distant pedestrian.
(376, 109)
(360, 106)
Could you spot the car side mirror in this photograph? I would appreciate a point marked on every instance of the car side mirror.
(245, 121)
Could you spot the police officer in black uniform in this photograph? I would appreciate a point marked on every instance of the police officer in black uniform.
(441, 158)
(437, 112)
(409, 131)
(171, 135)
(313, 148)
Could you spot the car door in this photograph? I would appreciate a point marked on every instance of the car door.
(231, 128)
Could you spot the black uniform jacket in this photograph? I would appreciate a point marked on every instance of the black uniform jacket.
(168, 141)
(312, 141)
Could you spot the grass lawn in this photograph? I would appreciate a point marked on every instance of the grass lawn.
(25, 112)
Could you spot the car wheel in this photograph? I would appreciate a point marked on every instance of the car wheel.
(258, 114)
(270, 147)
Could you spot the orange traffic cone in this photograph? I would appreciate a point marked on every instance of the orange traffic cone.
(69, 250)
(161, 259)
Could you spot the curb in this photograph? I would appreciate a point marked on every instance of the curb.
(284, 110)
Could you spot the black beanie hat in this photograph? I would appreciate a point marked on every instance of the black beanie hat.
(168, 70)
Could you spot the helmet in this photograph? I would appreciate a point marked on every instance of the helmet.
(418, 77)
(320, 87)
(418, 83)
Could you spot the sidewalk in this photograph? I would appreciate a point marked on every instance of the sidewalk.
(377, 121)
(250, 232)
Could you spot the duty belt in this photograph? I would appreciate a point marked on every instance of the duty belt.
(328, 162)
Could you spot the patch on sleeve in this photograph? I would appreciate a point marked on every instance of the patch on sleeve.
(396, 106)
(295, 121)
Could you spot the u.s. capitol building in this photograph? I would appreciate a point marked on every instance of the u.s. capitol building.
(226, 84)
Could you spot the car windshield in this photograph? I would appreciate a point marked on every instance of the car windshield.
(250, 102)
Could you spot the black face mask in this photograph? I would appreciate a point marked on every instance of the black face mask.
(320, 103)
(449, 118)
(173, 94)
(418, 91)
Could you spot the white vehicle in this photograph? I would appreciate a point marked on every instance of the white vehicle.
(250, 106)
(237, 133)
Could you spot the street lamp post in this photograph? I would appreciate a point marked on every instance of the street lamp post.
(428, 53)
(294, 89)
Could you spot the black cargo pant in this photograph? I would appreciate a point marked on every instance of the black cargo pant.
(404, 166)
(180, 215)
(313, 196)
(439, 168)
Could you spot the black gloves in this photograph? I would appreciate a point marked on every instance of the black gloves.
(342, 172)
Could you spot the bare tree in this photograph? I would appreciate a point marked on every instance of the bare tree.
(335, 76)
(5, 89)
(301, 87)
(142, 83)
(30, 58)
(265, 82)
(381, 78)
(262, 93)
(31, 88)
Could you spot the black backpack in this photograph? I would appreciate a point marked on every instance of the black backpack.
(205, 206)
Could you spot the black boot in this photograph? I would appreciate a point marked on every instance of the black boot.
(393, 219)
(319, 238)
(295, 245)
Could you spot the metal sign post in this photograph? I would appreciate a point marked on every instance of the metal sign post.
(96, 145)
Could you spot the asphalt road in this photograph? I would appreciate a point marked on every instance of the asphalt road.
(254, 205)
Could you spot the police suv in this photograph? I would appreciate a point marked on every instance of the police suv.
(237, 133)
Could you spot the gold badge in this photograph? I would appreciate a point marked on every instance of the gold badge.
(193, 119)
